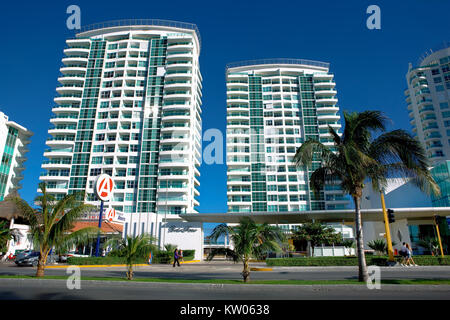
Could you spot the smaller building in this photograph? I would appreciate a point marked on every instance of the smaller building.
(13, 146)
(399, 194)
(441, 174)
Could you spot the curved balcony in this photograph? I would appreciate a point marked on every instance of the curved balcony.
(67, 130)
(44, 177)
(59, 142)
(56, 165)
(77, 52)
(78, 42)
(232, 116)
(238, 84)
(68, 99)
(72, 78)
(178, 75)
(328, 116)
(179, 66)
(179, 47)
(177, 95)
(178, 84)
(322, 76)
(321, 85)
(326, 101)
(325, 93)
(238, 182)
(74, 60)
(68, 89)
(237, 100)
(73, 70)
(239, 92)
(327, 110)
(165, 118)
(235, 76)
(179, 55)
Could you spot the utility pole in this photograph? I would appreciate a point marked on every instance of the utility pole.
(436, 223)
(387, 229)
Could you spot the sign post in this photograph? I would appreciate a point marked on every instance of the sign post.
(104, 186)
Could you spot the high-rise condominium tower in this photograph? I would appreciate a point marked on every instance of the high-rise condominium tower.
(13, 145)
(129, 105)
(273, 106)
(428, 99)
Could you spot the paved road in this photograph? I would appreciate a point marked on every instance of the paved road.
(225, 270)
(18, 289)
(37, 289)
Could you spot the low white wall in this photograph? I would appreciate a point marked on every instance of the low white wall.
(333, 251)
(185, 235)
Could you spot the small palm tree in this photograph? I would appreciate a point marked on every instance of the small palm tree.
(133, 249)
(250, 240)
(51, 223)
(316, 234)
(378, 245)
(348, 244)
(431, 244)
(357, 157)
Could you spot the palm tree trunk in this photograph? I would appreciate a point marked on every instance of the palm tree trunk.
(246, 271)
(130, 272)
(41, 263)
(363, 275)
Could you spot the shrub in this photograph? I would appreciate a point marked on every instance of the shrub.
(352, 261)
(97, 260)
(188, 253)
(163, 257)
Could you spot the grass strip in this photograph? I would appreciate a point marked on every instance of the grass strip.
(226, 281)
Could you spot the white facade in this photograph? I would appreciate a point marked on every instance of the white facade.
(273, 106)
(14, 140)
(428, 99)
(398, 194)
(129, 105)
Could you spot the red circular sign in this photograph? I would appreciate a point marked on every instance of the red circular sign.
(104, 187)
(110, 214)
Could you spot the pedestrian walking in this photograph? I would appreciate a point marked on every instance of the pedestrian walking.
(404, 254)
(410, 260)
(180, 254)
(176, 256)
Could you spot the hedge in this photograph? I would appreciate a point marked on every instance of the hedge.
(353, 261)
(160, 257)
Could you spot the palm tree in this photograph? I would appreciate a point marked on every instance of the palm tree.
(379, 245)
(348, 244)
(250, 240)
(133, 249)
(316, 234)
(51, 223)
(431, 244)
(6, 234)
(357, 157)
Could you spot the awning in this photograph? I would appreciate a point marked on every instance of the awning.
(340, 216)
(9, 209)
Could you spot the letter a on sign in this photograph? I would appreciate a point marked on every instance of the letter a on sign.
(104, 187)
(111, 214)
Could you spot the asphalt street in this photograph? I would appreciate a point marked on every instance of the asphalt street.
(228, 270)
(45, 289)
(38, 289)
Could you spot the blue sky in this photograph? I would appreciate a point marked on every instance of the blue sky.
(369, 65)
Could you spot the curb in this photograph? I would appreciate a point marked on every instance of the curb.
(261, 269)
(109, 265)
